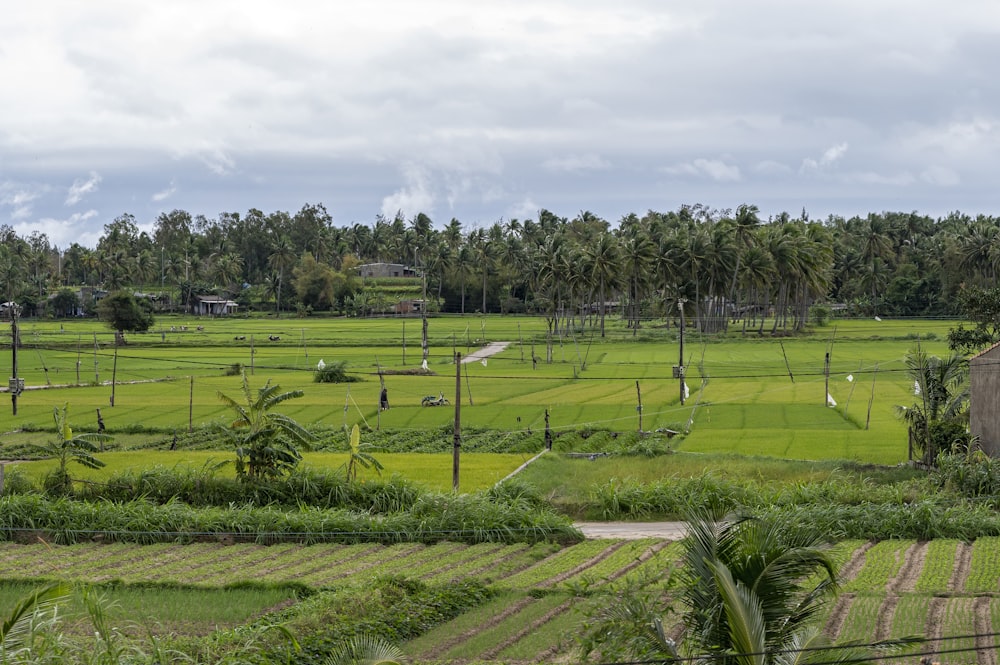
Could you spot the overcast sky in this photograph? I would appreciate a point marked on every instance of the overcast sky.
(489, 110)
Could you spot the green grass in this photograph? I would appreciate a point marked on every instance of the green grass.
(177, 611)
(433, 471)
(749, 404)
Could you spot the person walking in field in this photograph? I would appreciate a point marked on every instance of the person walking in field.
(383, 400)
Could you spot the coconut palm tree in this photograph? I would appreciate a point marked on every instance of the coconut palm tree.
(266, 443)
(604, 261)
(281, 259)
(750, 593)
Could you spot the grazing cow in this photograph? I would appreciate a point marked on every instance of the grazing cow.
(273, 338)
(200, 328)
(240, 338)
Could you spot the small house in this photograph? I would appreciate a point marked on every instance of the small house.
(406, 307)
(377, 270)
(214, 306)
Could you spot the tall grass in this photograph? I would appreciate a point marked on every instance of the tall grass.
(433, 518)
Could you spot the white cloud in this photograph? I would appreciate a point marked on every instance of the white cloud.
(414, 197)
(715, 169)
(165, 194)
(830, 156)
(19, 198)
(81, 188)
(63, 232)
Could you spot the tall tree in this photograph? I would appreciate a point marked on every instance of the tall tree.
(281, 259)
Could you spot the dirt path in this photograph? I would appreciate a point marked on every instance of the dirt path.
(633, 530)
(490, 349)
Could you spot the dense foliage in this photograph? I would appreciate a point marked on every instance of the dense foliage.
(727, 265)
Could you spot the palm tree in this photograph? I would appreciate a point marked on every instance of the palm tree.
(750, 593)
(637, 252)
(750, 587)
(604, 261)
(280, 259)
(265, 442)
(746, 223)
(937, 418)
(875, 245)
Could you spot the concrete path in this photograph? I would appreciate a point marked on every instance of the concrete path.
(633, 530)
(490, 349)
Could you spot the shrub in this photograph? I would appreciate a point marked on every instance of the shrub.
(234, 370)
(972, 476)
(334, 373)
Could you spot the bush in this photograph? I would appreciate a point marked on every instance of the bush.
(334, 373)
(972, 476)
(235, 369)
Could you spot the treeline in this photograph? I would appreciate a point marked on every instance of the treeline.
(725, 268)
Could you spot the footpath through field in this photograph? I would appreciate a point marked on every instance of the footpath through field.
(633, 530)
(490, 349)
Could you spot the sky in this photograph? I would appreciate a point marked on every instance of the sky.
(492, 110)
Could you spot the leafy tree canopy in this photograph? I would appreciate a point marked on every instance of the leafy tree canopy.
(122, 312)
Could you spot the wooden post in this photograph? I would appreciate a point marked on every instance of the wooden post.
(868, 418)
(114, 376)
(251, 355)
(785, 356)
(520, 340)
(78, 361)
(381, 383)
(638, 394)
(548, 432)
(404, 341)
(304, 349)
(468, 386)
(97, 377)
(826, 380)
(457, 436)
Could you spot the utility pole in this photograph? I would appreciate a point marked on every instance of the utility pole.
(457, 437)
(679, 370)
(16, 384)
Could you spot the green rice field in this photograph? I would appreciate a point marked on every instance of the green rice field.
(747, 395)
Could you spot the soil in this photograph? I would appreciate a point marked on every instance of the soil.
(853, 567)
(963, 558)
(909, 572)
(986, 653)
(835, 623)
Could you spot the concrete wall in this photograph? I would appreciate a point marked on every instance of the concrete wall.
(984, 400)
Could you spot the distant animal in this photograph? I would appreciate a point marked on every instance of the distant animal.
(273, 338)
(240, 338)
(201, 328)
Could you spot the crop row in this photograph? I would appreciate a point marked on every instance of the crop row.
(984, 568)
(939, 563)
(560, 563)
(882, 563)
